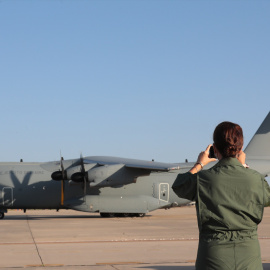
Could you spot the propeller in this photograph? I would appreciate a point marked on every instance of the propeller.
(60, 176)
(77, 172)
(63, 180)
(83, 174)
(80, 176)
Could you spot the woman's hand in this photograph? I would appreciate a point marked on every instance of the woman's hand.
(203, 157)
(242, 157)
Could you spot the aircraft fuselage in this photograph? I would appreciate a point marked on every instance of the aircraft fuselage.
(30, 186)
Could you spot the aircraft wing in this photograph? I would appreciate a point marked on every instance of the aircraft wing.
(132, 163)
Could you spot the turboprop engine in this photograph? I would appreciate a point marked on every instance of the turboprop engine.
(96, 174)
(107, 175)
(67, 174)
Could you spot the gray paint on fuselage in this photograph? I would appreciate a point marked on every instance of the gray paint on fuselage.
(31, 186)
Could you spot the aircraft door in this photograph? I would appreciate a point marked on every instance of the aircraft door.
(7, 195)
(164, 192)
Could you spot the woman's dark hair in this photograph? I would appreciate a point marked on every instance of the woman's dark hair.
(228, 139)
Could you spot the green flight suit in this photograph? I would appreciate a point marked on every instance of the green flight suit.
(230, 200)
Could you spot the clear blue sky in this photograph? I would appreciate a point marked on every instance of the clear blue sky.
(137, 79)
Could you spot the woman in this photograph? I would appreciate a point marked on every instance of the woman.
(230, 199)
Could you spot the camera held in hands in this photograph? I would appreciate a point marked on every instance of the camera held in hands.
(211, 152)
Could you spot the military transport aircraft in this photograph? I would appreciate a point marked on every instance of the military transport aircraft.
(107, 185)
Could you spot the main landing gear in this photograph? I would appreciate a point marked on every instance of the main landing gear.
(108, 215)
(2, 213)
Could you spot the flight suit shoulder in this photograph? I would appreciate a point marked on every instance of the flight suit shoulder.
(185, 186)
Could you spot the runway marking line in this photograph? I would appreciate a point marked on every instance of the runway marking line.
(105, 241)
(45, 265)
(112, 263)
(111, 241)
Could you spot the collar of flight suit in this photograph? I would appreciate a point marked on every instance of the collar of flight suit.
(230, 161)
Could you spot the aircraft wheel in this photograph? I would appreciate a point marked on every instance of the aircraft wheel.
(2, 215)
(140, 214)
(104, 214)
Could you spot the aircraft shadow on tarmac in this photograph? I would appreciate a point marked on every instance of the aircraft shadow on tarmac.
(37, 217)
(43, 217)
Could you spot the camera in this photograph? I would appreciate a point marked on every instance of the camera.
(211, 152)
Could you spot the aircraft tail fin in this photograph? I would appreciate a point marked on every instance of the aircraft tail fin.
(259, 145)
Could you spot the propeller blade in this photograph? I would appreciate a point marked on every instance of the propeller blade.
(62, 167)
(63, 181)
(83, 174)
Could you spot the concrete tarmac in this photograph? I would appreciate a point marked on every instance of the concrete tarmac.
(162, 240)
